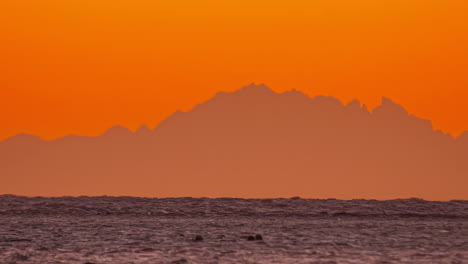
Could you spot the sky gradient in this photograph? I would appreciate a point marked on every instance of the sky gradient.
(82, 66)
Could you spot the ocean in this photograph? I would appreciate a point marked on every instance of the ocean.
(96, 230)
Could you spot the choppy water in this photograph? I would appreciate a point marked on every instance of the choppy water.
(139, 230)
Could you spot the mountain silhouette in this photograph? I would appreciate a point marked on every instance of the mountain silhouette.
(253, 142)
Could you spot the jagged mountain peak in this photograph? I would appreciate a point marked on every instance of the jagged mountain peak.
(388, 107)
(256, 88)
(143, 130)
(117, 130)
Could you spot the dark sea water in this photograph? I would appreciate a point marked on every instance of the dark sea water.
(140, 230)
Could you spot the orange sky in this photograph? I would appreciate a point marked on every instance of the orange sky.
(82, 66)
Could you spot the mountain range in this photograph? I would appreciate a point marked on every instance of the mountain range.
(254, 143)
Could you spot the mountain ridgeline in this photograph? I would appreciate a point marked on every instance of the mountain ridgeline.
(250, 143)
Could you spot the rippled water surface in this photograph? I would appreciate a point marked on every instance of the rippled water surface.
(140, 230)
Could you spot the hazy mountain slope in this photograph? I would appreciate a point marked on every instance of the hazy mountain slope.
(250, 143)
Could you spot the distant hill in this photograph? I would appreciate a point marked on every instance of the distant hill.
(250, 143)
